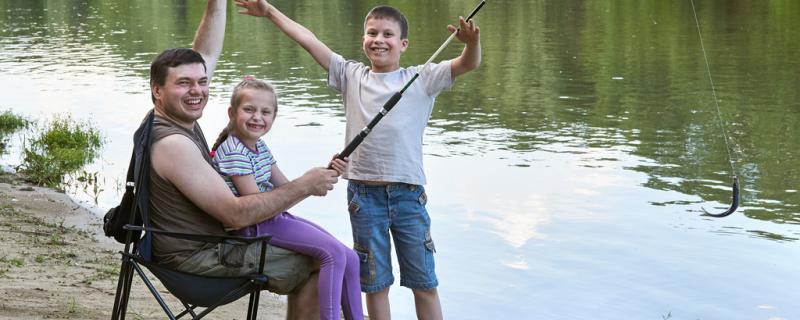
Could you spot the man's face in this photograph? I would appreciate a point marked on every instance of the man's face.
(184, 94)
(382, 44)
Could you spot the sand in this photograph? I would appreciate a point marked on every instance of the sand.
(55, 263)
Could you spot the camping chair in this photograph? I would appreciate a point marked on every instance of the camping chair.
(192, 290)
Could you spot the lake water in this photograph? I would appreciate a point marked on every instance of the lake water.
(566, 175)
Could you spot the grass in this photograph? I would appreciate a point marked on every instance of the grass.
(61, 147)
(10, 123)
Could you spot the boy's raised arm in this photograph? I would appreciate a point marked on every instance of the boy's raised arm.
(470, 58)
(297, 32)
(210, 34)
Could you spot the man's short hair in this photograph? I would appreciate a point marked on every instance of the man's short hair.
(171, 58)
(388, 12)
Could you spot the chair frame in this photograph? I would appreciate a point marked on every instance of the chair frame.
(133, 261)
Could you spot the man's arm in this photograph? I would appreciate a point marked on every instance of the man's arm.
(470, 58)
(211, 34)
(176, 159)
(300, 34)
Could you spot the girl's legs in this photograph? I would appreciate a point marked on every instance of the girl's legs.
(339, 274)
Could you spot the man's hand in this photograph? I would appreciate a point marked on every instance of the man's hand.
(338, 164)
(468, 33)
(257, 8)
(318, 181)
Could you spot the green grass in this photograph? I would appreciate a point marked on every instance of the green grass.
(10, 123)
(62, 147)
(13, 262)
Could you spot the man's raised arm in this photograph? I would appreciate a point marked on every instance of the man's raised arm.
(211, 34)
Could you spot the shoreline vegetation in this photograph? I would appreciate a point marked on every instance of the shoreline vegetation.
(55, 263)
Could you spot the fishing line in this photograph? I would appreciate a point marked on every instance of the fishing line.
(735, 203)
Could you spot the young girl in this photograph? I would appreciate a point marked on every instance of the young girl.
(247, 165)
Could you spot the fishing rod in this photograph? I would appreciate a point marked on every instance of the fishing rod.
(735, 187)
(396, 97)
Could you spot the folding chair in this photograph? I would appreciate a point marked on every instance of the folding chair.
(192, 290)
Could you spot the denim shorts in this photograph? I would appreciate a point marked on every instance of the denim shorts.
(397, 209)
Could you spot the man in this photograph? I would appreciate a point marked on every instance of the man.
(187, 194)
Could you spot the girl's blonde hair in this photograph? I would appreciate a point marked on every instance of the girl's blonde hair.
(249, 82)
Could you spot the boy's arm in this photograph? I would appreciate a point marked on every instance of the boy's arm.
(210, 34)
(297, 32)
(470, 58)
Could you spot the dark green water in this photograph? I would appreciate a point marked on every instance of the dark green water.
(570, 167)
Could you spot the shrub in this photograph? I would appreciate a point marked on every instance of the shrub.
(63, 147)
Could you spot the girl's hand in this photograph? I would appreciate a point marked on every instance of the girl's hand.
(338, 165)
(469, 33)
(257, 8)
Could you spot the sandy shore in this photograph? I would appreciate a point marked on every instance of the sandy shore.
(55, 263)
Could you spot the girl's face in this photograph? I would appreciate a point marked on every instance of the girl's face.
(254, 115)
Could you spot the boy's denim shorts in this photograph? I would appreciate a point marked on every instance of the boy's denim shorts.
(397, 209)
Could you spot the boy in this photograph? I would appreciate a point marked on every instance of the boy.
(385, 173)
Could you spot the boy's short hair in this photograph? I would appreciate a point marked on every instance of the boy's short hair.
(171, 58)
(387, 12)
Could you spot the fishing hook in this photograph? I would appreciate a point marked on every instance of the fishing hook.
(735, 196)
(733, 207)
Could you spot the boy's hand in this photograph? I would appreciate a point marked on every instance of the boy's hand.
(338, 165)
(469, 33)
(258, 8)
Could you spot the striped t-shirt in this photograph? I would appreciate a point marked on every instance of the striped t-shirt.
(234, 158)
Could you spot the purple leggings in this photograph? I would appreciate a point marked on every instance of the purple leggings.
(338, 275)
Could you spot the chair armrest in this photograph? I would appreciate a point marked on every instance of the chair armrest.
(200, 237)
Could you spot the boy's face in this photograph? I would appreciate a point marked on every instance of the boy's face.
(382, 44)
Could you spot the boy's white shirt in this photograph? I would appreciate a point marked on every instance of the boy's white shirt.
(393, 150)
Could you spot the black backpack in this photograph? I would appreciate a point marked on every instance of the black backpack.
(135, 200)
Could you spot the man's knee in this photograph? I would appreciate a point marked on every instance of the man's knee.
(287, 270)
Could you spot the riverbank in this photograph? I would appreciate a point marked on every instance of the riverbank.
(55, 263)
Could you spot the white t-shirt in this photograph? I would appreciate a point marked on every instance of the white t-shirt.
(393, 150)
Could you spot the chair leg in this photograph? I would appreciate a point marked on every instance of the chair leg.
(153, 291)
(123, 289)
(252, 308)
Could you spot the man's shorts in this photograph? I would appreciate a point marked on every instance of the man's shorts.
(397, 209)
(287, 270)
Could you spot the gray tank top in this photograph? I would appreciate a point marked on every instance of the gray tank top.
(170, 210)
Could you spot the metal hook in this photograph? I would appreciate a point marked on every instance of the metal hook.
(734, 205)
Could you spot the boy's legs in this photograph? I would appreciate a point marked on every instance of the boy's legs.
(369, 218)
(411, 233)
(427, 304)
(378, 305)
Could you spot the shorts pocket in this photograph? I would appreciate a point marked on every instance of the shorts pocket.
(353, 207)
(367, 264)
(232, 255)
(429, 242)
